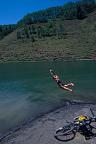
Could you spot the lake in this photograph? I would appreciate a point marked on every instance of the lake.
(27, 90)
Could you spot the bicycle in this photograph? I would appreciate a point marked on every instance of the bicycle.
(68, 132)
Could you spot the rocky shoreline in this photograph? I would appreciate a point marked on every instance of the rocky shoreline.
(41, 130)
(45, 60)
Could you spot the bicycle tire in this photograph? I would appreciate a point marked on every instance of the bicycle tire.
(94, 130)
(65, 135)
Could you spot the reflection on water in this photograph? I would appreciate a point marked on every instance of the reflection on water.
(27, 90)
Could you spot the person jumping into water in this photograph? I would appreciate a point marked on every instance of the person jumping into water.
(60, 84)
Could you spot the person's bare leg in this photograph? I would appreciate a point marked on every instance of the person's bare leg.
(69, 84)
(66, 88)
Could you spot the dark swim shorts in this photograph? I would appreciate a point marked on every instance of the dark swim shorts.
(59, 82)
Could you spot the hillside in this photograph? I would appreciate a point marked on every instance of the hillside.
(72, 39)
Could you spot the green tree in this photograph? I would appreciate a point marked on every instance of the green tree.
(61, 30)
(26, 33)
(18, 35)
(39, 32)
(32, 38)
(81, 14)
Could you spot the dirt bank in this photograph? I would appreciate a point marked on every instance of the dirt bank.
(42, 130)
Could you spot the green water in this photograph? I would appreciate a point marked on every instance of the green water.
(27, 90)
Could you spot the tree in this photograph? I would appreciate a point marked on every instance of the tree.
(32, 38)
(18, 35)
(26, 33)
(39, 32)
(80, 13)
(61, 30)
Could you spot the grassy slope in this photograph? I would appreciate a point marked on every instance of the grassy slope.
(78, 42)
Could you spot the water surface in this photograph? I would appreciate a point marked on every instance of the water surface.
(27, 90)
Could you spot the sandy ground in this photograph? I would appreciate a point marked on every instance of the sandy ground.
(42, 130)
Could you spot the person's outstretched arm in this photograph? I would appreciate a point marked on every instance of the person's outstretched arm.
(52, 72)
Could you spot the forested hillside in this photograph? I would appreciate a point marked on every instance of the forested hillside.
(49, 22)
(66, 32)
(70, 11)
(6, 29)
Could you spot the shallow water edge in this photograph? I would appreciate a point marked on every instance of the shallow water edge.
(30, 123)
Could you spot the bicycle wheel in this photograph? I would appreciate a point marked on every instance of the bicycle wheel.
(65, 134)
(93, 130)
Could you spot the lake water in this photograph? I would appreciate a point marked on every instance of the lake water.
(27, 90)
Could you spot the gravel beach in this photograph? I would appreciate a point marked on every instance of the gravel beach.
(42, 130)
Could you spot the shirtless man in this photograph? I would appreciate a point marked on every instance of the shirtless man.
(60, 84)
